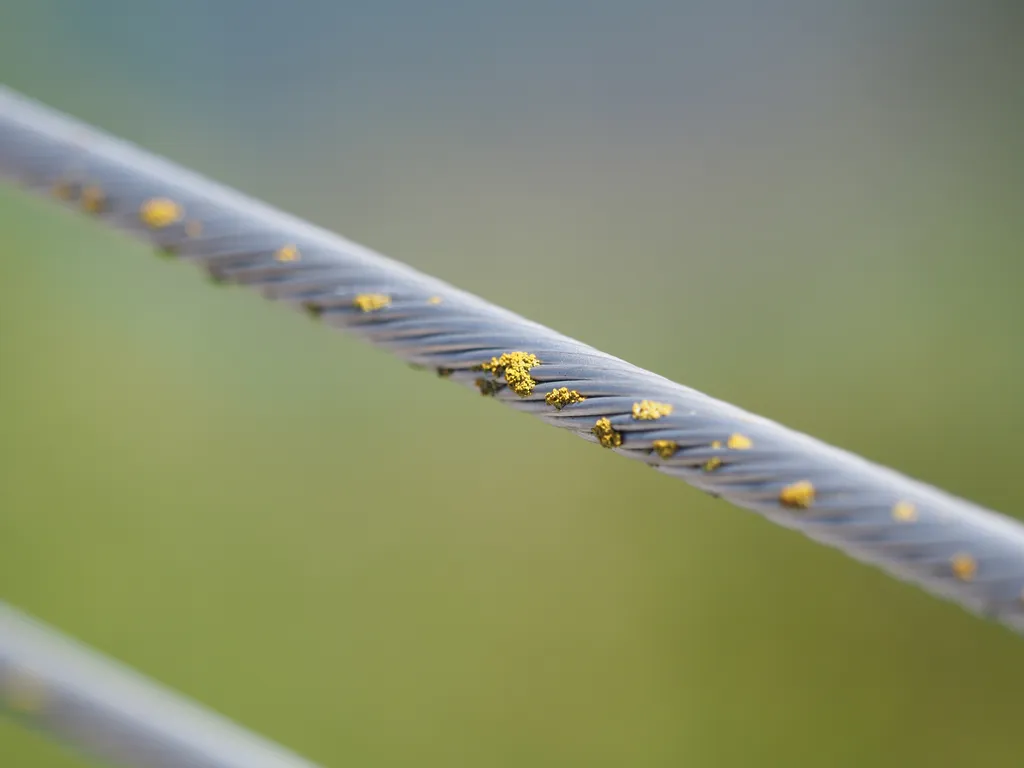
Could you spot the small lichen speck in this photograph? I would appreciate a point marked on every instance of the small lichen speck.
(798, 495)
(740, 442)
(649, 410)
(606, 434)
(904, 512)
(160, 212)
(370, 302)
(712, 464)
(434, 300)
(93, 200)
(563, 396)
(964, 567)
(64, 190)
(24, 692)
(287, 253)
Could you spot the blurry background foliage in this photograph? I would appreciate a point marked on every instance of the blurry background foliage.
(810, 209)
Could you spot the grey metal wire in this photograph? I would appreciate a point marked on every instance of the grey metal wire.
(913, 531)
(107, 711)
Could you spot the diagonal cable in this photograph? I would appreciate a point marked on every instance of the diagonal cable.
(913, 531)
(105, 710)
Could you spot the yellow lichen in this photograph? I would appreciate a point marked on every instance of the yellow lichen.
(516, 368)
(738, 442)
(904, 512)
(712, 464)
(799, 495)
(563, 396)
(193, 228)
(93, 199)
(286, 254)
(368, 302)
(964, 566)
(606, 434)
(434, 300)
(665, 448)
(160, 212)
(649, 410)
(716, 444)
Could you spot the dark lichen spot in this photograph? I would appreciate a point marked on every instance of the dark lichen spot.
(93, 200)
(489, 387)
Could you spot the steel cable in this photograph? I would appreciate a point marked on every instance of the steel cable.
(105, 710)
(947, 545)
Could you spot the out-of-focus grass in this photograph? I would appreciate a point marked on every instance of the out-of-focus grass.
(376, 567)
(371, 564)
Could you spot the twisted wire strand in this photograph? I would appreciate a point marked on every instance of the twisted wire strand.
(107, 711)
(913, 531)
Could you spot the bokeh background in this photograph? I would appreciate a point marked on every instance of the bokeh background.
(811, 209)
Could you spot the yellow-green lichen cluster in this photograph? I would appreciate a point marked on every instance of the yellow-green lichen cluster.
(515, 366)
(607, 435)
(649, 410)
(563, 396)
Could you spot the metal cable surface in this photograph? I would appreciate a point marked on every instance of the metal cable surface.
(107, 711)
(913, 531)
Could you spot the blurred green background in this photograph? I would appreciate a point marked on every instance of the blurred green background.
(811, 210)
